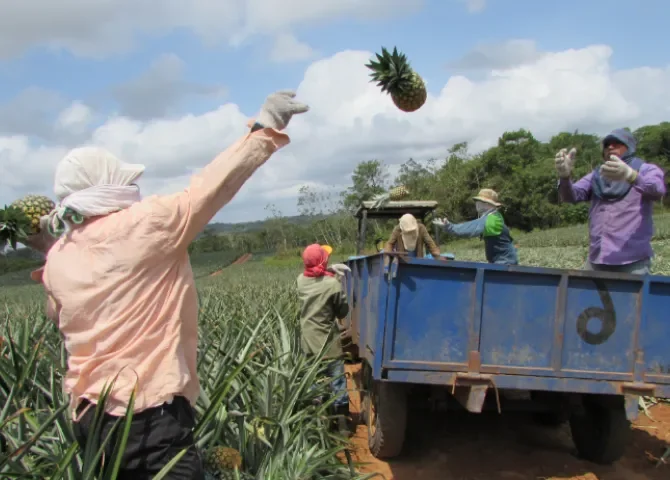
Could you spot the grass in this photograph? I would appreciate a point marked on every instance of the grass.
(255, 390)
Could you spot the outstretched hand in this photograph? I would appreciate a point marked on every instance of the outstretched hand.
(279, 108)
(339, 269)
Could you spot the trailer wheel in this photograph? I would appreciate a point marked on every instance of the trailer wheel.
(550, 419)
(600, 430)
(386, 412)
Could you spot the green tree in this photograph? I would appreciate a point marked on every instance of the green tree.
(370, 178)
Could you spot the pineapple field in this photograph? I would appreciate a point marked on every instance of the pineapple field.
(257, 418)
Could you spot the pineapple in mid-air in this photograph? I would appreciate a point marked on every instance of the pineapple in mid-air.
(34, 207)
(224, 463)
(398, 193)
(393, 195)
(393, 74)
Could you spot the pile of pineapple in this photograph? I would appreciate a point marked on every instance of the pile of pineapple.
(22, 219)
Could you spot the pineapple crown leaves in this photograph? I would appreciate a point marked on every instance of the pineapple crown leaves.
(391, 71)
(14, 225)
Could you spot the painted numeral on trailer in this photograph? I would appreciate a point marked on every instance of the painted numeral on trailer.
(605, 314)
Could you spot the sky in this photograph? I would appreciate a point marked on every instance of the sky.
(171, 83)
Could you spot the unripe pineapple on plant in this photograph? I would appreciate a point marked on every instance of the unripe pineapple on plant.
(393, 74)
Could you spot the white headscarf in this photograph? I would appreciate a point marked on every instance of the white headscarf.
(90, 182)
(409, 231)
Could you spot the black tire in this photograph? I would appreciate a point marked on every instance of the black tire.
(600, 431)
(387, 435)
(551, 419)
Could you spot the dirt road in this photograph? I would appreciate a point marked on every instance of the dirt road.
(243, 259)
(454, 446)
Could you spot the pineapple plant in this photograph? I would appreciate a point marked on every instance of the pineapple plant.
(34, 207)
(393, 74)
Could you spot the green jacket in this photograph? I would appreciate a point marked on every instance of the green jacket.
(322, 303)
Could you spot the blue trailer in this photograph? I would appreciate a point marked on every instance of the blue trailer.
(572, 346)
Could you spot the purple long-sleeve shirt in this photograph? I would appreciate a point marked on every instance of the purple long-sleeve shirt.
(621, 231)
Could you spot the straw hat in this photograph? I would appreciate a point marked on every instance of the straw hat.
(489, 196)
(409, 231)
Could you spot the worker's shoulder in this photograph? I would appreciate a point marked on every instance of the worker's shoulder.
(317, 284)
(648, 167)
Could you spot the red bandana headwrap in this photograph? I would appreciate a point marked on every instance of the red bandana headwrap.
(315, 259)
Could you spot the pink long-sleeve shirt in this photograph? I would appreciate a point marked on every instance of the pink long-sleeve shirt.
(124, 290)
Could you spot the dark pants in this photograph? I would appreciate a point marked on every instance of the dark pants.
(156, 436)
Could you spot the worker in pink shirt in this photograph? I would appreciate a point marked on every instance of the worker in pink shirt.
(120, 287)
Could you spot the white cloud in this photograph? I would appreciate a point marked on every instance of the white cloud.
(487, 56)
(75, 119)
(351, 121)
(97, 28)
(286, 48)
(475, 6)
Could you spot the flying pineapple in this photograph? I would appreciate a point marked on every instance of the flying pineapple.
(34, 207)
(222, 463)
(394, 75)
(394, 194)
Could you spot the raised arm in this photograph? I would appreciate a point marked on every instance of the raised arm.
(185, 214)
(579, 191)
(567, 191)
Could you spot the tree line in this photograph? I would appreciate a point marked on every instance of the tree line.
(520, 168)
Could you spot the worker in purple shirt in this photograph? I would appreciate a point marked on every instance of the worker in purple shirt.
(621, 191)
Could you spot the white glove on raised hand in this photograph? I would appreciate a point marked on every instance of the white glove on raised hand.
(564, 161)
(279, 108)
(441, 222)
(616, 170)
(339, 268)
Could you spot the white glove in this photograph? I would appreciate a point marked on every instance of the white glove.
(279, 108)
(339, 268)
(616, 170)
(564, 161)
(441, 222)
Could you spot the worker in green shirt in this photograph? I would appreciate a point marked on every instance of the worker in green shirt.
(490, 226)
(322, 303)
